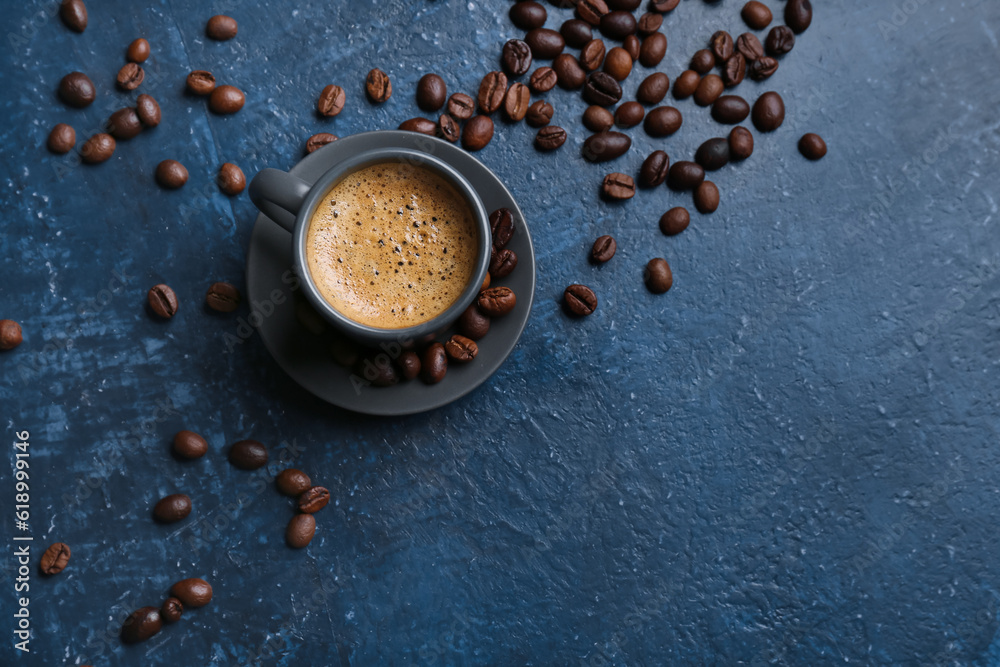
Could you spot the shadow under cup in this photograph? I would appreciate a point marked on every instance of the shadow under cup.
(292, 203)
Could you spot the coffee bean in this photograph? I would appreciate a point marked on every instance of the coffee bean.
(98, 148)
(497, 301)
(576, 32)
(172, 610)
(421, 125)
(579, 300)
(545, 43)
(618, 63)
(55, 559)
(248, 455)
(433, 364)
(378, 86)
(516, 57)
(624, 5)
(492, 91)
(569, 74)
(602, 90)
(473, 323)
(317, 141)
(722, 46)
(502, 263)
(632, 46)
(172, 508)
(130, 76)
(221, 28)
(189, 445)
(74, 14)
(605, 146)
(653, 49)
(461, 106)
(408, 364)
(62, 138)
(377, 369)
(539, 113)
(653, 88)
(516, 102)
(686, 84)
(812, 146)
(331, 101)
(77, 90)
(663, 121)
(477, 133)
(230, 99)
(654, 169)
(618, 186)
(200, 82)
(604, 249)
(141, 624)
(171, 174)
(543, 80)
(598, 119)
(658, 276)
(138, 51)
(591, 11)
(162, 301)
(502, 227)
(685, 175)
(313, 499)
(756, 15)
(762, 68)
(750, 46)
(649, 23)
(223, 297)
(292, 482)
(768, 112)
(447, 128)
(779, 41)
(629, 114)
(194, 592)
(550, 138)
(675, 221)
(703, 61)
(592, 55)
(527, 15)
(709, 90)
(232, 182)
(300, 531)
(10, 334)
(617, 24)
(798, 15)
(706, 197)
(713, 154)
(148, 110)
(663, 6)
(734, 71)
(740, 143)
(124, 124)
(461, 349)
(730, 109)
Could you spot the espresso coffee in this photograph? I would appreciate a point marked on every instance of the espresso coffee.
(392, 245)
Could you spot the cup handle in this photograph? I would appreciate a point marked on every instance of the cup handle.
(279, 196)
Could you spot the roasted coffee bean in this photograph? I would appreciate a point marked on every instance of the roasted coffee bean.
(55, 559)
(592, 55)
(230, 99)
(124, 124)
(675, 221)
(768, 112)
(221, 27)
(713, 154)
(376, 369)
(248, 455)
(148, 110)
(624, 5)
(138, 51)
(686, 84)
(654, 169)
(543, 80)
(539, 113)
(663, 6)
(141, 624)
(617, 25)
(200, 82)
(798, 15)
(658, 276)
(408, 364)
(378, 86)
(632, 46)
(722, 46)
(591, 11)
(448, 129)
(576, 32)
(172, 610)
(762, 68)
(605, 146)
(223, 297)
(598, 119)
(662, 121)
(734, 70)
(461, 106)
(602, 90)
(603, 249)
(193, 593)
(710, 89)
(812, 146)
(171, 174)
(629, 114)
(292, 482)
(477, 133)
(779, 41)
(706, 197)
(77, 90)
(649, 23)
(579, 300)
(492, 91)
(618, 186)
(317, 141)
(313, 499)
(515, 58)
(232, 182)
(130, 76)
(756, 15)
(502, 227)
(461, 349)
(331, 101)
(545, 43)
(10, 334)
(74, 14)
(618, 63)
(497, 301)
(189, 445)
(750, 46)
(516, 102)
(703, 61)
(527, 15)
(569, 74)
(98, 148)
(550, 138)
(730, 109)
(300, 531)
(172, 508)
(421, 125)
(685, 175)
(653, 49)
(433, 364)
(653, 88)
(162, 301)
(62, 138)
(740, 143)
(473, 323)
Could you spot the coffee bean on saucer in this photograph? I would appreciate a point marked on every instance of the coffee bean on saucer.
(130, 76)
(685, 175)
(62, 138)
(663, 121)
(221, 27)
(516, 102)
(545, 43)
(502, 227)
(713, 154)
(189, 445)
(408, 364)
(292, 482)
(703, 61)
(138, 51)
(592, 55)
(730, 109)
(779, 41)
(77, 90)
(502, 263)
(461, 349)
(227, 100)
(172, 610)
(675, 221)
(171, 174)
(762, 68)
(629, 114)
(231, 179)
(539, 113)
(601, 89)
(740, 143)
(527, 15)
(222, 297)
(248, 455)
(543, 80)
(433, 364)
(421, 125)
(618, 186)
(74, 14)
(618, 64)
(734, 71)
(172, 508)
(579, 300)
(162, 301)
(461, 106)
(653, 88)
(124, 124)
(497, 301)
(605, 146)
(200, 82)
(300, 531)
(798, 15)
(604, 249)
(550, 138)
(649, 23)
(148, 110)
(331, 101)
(477, 133)
(768, 112)
(749, 45)
(141, 624)
(654, 169)
(756, 15)
(709, 90)
(515, 58)
(492, 91)
(431, 92)
(569, 73)
(658, 276)
(378, 86)
(473, 323)
(576, 32)
(317, 141)
(313, 499)
(686, 84)
(10, 334)
(598, 119)
(99, 148)
(55, 559)
(706, 197)
(812, 146)
(194, 592)
(653, 49)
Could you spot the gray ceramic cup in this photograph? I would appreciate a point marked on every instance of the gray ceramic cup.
(290, 202)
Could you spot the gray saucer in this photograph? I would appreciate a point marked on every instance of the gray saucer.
(306, 356)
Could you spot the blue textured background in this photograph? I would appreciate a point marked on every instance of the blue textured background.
(791, 457)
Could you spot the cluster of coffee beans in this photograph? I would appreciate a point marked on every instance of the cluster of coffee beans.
(145, 622)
